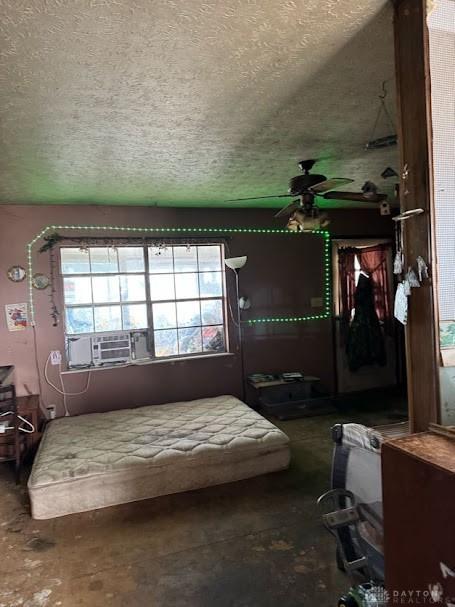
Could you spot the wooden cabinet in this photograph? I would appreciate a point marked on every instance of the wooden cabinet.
(14, 443)
(419, 522)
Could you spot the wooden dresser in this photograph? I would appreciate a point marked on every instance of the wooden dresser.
(419, 518)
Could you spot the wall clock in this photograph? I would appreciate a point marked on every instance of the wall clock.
(40, 281)
(16, 273)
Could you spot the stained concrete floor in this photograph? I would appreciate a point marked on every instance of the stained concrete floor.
(254, 543)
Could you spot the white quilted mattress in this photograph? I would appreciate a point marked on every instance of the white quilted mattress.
(101, 459)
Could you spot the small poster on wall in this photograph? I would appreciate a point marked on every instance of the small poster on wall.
(16, 316)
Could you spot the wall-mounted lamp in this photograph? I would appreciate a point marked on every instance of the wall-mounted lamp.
(244, 303)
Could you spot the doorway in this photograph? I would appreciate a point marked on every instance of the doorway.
(368, 261)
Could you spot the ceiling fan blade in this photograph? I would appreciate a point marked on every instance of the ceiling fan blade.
(330, 184)
(287, 210)
(259, 198)
(355, 196)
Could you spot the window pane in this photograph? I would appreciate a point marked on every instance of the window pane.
(210, 284)
(79, 320)
(209, 258)
(75, 261)
(164, 316)
(188, 313)
(108, 318)
(103, 260)
(134, 316)
(162, 287)
(131, 259)
(166, 343)
(105, 289)
(213, 339)
(160, 260)
(132, 288)
(212, 312)
(186, 286)
(185, 259)
(78, 290)
(190, 340)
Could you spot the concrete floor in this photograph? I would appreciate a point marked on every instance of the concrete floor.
(255, 543)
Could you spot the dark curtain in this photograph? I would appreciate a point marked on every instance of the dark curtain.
(373, 261)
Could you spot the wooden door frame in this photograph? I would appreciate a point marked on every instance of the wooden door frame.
(416, 190)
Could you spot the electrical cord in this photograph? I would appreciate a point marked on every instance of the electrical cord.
(25, 421)
(38, 374)
(234, 322)
(62, 391)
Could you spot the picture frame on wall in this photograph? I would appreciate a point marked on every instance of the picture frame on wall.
(16, 316)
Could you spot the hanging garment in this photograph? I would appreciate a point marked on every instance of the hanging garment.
(401, 302)
(365, 344)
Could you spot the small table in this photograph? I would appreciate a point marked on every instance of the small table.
(291, 399)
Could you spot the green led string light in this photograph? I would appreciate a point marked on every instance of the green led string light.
(323, 233)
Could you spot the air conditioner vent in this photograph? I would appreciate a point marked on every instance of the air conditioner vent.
(111, 348)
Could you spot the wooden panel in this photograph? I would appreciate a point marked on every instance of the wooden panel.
(412, 74)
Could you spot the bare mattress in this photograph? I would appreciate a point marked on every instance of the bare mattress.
(102, 459)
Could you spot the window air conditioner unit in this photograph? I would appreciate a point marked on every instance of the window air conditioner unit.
(79, 351)
(114, 348)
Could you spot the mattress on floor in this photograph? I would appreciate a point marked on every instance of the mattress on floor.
(102, 459)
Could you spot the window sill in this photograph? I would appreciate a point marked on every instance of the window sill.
(146, 362)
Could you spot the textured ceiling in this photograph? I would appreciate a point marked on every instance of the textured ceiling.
(190, 102)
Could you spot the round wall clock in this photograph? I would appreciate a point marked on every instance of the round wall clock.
(16, 273)
(40, 281)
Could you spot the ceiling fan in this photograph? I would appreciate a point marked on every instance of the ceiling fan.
(303, 213)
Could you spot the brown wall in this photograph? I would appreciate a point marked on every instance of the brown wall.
(282, 275)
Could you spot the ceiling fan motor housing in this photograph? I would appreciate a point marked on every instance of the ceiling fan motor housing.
(301, 183)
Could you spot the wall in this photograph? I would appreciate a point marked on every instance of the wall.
(280, 274)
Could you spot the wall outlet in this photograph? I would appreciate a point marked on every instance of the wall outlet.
(51, 411)
(317, 302)
(4, 426)
(56, 357)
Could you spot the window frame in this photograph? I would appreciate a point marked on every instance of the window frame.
(149, 302)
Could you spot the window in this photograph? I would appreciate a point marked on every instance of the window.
(175, 292)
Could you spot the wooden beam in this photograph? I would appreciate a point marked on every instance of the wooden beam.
(415, 142)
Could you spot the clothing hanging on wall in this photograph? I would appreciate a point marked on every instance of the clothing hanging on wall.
(365, 343)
